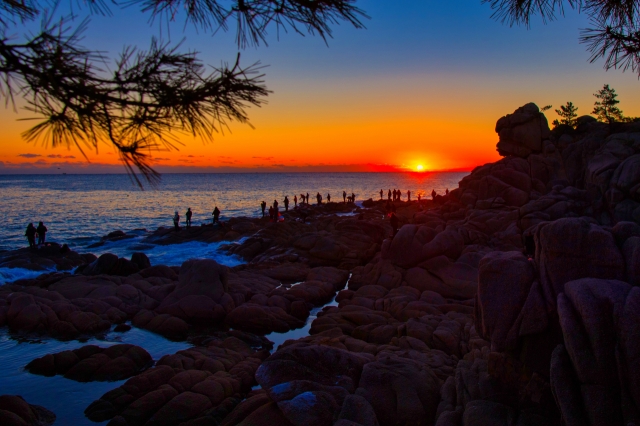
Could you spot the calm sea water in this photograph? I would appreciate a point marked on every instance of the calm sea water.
(79, 209)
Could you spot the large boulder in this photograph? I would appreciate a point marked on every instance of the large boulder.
(594, 376)
(92, 363)
(199, 277)
(522, 132)
(572, 248)
(110, 264)
(401, 391)
(321, 364)
(15, 411)
(504, 282)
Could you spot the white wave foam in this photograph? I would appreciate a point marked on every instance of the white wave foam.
(172, 254)
(8, 275)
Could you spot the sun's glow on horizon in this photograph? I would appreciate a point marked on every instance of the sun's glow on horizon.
(420, 167)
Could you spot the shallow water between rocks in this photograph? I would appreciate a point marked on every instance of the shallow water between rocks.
(67, 398)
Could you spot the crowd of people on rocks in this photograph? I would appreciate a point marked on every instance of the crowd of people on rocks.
(32, 233)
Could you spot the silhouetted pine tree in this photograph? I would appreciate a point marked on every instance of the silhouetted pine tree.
(605, 108)
(567, 115)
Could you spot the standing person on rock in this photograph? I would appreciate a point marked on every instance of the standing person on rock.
(319, 198)
(381, 194)
(176, 221)
(433, 194)
(216, 214)
(446, 191)
(30, 233)
(328, 198)
(344, 196)
(389, 195)
(286, 203)
(307, 198)
(42, 231)
(409, 196)
(270, 212)
(295, 201)
(393, 220)
(188, 214)
(353, 197)
(263, 205)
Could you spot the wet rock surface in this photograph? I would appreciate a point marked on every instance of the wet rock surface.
(15, 411)
(93, 363)
(51, 256)
(510, 301)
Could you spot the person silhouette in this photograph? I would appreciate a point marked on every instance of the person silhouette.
(188, 214)
(409, 195)
(344, 196)
(381, 194)
(216, 214)
(395, 194)
(446, 191)
(270, 212)
(328, 198)
(295, 201)
(176, 221)
(307, 198)
(276, 213)
(418, 198)
(389, 195)
(263, 205)
(275, 204)
(353, 197)
(30, 233)
(433, 194)
(42, 231)
(286, 203)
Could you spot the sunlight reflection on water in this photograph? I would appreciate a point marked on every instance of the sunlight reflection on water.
(79, 209)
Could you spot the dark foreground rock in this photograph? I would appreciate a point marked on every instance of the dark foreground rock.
(92, 363)
(51, 256)
(199, 385)
(15, 411)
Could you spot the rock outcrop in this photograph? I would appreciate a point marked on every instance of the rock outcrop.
(15, 411)
(92, 363)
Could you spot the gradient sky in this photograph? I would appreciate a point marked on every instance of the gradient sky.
(423, 84)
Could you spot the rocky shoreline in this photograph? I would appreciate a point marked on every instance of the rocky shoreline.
(514, 300)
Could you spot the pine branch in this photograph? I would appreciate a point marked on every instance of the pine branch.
(152, 97)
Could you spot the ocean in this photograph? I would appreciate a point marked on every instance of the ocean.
(80, 209)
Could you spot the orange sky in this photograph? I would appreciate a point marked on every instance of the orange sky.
(389, 97)
(332, 123)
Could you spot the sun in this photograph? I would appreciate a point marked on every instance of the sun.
(420, 167)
